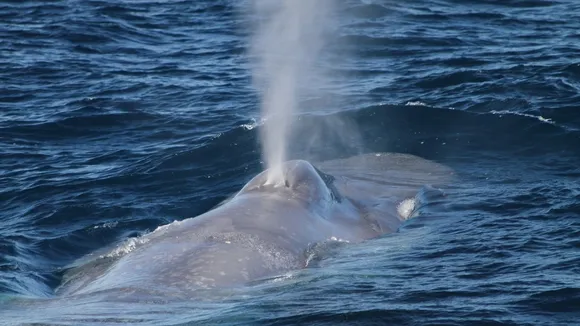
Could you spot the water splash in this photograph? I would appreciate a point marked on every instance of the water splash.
(286, 42)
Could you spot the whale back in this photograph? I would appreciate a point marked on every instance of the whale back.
(408, 171)
(380, 184)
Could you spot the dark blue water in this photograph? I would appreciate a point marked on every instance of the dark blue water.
(120, 116)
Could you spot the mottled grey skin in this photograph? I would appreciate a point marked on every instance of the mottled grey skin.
(265, 230)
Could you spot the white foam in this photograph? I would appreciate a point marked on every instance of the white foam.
(406, 208)
(416, 103)
(255, 123)
(338, 239)
(126, 247)
(107, 225)
(538, 117)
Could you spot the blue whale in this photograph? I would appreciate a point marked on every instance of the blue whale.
(265, 229)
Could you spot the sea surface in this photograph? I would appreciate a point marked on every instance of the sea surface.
(117, 117)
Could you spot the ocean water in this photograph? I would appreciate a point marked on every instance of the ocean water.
(117, 117)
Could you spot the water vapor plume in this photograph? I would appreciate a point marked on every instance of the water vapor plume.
(286, 42)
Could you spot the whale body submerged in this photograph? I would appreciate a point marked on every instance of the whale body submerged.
(266, 229)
